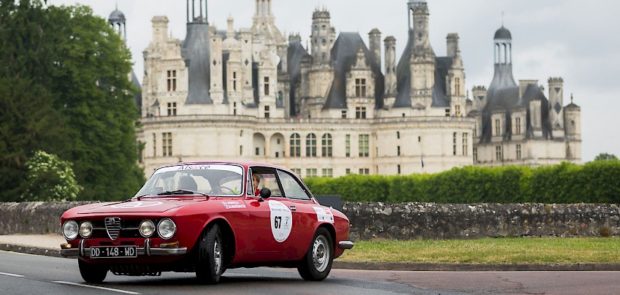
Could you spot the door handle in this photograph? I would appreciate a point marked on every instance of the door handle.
(293, 208)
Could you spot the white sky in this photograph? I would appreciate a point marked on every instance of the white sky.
(574, 39)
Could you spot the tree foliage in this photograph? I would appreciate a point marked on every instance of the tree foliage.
(595, 182)
(50, 179)
(606, 157)
(64, 76)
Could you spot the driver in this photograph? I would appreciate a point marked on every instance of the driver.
(255, 183)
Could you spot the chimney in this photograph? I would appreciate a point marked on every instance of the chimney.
(375, 44)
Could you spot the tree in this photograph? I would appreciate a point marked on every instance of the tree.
(80, 65)
(606, 157)
(50, 179)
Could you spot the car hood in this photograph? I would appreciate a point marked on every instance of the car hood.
(143, 206)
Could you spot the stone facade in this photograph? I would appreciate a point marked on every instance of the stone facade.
(326, 110)
(400, 221)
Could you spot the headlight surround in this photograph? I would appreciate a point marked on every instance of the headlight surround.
(86, 229)
(70, 230)
(147, 228)
(166, 228)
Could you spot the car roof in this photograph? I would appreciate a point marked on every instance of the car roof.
(245, 164)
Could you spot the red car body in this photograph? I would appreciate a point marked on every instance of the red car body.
(249, 227)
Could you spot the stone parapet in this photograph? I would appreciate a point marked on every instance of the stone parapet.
(400, 221)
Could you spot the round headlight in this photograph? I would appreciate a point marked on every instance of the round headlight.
(86, 229)
(147, 228)
(70, 230)
(166, 228)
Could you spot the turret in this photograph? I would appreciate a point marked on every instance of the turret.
(374, 40)
(118, 21)
(556, 106)
(390, 66)
(452, 44)
(322, 38)
(197, 53)
(572, 120)
(160, 29)
(423, 57)
(479, 97)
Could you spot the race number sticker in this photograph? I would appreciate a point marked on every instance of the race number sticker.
(281, 221)
(133, 205)
(324, 215)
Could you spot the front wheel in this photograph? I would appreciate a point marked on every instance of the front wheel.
(317, 263)
(92, 273)
(210, 265)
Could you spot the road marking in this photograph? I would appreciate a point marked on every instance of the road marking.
(95, 287)
(11, 275)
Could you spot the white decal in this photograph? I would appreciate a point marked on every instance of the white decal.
(233, 205)
(133, 205)
(281, 221)
(324, 214)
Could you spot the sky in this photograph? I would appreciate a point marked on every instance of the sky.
(573, 39)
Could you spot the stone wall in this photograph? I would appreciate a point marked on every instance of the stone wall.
(400, 221)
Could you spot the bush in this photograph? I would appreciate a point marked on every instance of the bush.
(595, 182)
(50, 179)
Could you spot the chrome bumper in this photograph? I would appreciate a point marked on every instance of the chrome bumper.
(81, 251)
(346, 245)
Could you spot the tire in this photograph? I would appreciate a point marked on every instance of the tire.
(92, 273)
(317, 263)
(210, 266)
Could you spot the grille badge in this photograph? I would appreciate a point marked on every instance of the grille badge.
(113, 227)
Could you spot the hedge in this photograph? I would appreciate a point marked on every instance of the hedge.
(594, 182)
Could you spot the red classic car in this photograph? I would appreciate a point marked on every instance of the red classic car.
(205, 218)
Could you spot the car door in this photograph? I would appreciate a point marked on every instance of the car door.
(270, 221)
(303, 209)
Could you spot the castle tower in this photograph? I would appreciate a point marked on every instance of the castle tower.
(423, 57)
(322, 37)
(390, 65)
(197, 53)
(556, 106)
(118, 21)
(456, 76)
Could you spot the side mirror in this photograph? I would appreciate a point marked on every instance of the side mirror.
(265, 193)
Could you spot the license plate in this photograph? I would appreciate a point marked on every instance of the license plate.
(114, 252)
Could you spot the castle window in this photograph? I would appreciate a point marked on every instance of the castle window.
(499, 155)
(240, 150)
(457, 110)
(475, 155)
(234, 81)
(398, 169)
(266, 85)
(172, 109)
(328, 172)
(326, 145)
(347, 171)
(360, 87)
(364, 171)
(311, 172)
(419, 138)
(397, 134)
(172, 80)
(364, 147)
(344, 114)
(517, 125)
(398, 150)
(347, 145)
(267, 112)
(311, 145)
(457, 87)
(454, 144)
(167, 144)
(498, 127)
(257, 152)
(297, 171)
(465, 144)
(234, 108)
(154, 145)
(447, 112)
(519, 152)
(360, 112)
(295, 142)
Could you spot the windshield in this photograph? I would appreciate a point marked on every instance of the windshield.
(213, 180)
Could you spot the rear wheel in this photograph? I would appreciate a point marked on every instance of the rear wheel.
(317, 263)
(210, 265)
(92, 273)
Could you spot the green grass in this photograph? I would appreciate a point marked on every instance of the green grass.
(489, 251)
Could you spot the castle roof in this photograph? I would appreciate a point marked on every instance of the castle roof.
(116, 16)
(503, 33)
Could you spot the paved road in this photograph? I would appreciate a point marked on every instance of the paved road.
(29, 274)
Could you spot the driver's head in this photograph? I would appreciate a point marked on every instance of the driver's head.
(255, 180)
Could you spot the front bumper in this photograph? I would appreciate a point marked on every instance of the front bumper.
(82, 251)
(346, 245)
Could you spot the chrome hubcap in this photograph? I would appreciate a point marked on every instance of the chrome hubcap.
(217, 257)
(320, 253)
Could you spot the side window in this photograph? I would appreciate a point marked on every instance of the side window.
(292, 188)
(267, 179)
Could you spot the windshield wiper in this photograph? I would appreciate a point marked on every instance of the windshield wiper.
(182, 192)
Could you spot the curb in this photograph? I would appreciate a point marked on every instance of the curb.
(395, 266)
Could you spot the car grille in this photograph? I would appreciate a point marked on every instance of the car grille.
(128, 229)
(113, 227)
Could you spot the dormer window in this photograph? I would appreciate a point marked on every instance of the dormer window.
(498, 127)
(360, 87)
